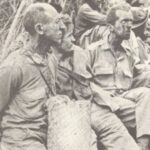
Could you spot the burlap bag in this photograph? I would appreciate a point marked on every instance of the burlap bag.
(69, 125)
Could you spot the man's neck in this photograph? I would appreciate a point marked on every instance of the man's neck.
(114, 41)
(57, 53)
(60, 54)
(37, 45)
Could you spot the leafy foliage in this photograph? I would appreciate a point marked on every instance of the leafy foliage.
(8, 9)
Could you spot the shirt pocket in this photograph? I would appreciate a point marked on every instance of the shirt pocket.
(104, 76)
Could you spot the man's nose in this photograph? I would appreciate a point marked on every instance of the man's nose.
(72, 39)
(62, 25)
(129, 25)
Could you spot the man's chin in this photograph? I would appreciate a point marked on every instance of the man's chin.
(56, 43)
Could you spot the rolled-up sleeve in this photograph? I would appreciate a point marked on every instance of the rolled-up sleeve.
(93, 16)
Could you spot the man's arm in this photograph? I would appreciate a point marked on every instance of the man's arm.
(140, 67)
(141, 60)
(93, 16)
(10, 80)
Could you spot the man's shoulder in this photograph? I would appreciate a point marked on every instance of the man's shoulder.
(12, 65)
(16, 58)
(84, 7)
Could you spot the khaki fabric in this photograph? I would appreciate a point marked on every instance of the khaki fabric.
(24, 93)
(110, 131)
(22, 139)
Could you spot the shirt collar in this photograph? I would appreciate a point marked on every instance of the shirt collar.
(35, 58)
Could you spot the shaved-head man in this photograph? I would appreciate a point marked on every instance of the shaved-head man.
(28, 81)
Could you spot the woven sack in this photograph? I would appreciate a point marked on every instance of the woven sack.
(69, 125)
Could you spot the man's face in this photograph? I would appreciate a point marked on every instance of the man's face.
(122, 26)
(54, 28)
(68, 39)
(67, 42)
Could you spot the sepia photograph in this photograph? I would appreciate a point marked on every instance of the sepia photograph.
(74, 74)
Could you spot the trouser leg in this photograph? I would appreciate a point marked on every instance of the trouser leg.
(21, 139)
(110, 130)
(134, 112)
(138, 101)
(30, 145)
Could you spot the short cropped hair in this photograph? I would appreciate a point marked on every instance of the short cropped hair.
(112, 16)
(35, 13)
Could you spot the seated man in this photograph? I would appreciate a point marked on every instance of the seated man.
(113, 68)
(27, 82)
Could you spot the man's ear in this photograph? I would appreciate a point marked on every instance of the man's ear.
(39, 28)
(111, 28)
